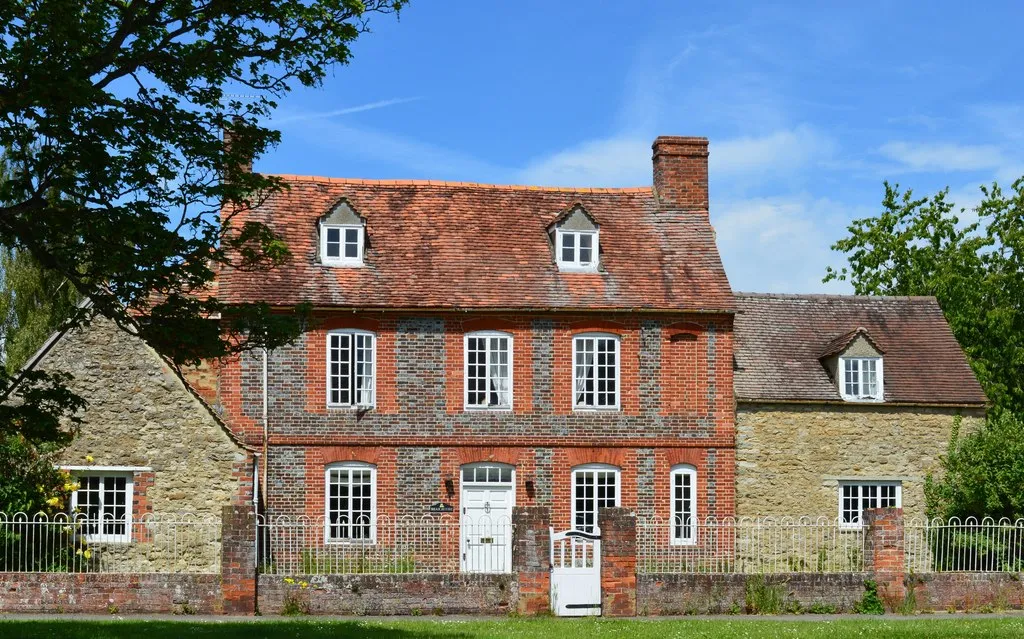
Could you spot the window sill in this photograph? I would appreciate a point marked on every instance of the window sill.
(350, 407)
(107, 539)
(863, 400)
(596, 409)
(683, 543)
(593, 270)
(350, 542)
(487, 409)
(334, 264)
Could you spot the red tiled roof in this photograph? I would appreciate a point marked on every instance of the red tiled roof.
(460, 245)
(780, 338)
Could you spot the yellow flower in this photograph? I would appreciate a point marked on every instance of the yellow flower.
(71, 487)
(53, 502)
(304, 584)
(87, 554)
(78, 552)
(289, 580)
(89, 459)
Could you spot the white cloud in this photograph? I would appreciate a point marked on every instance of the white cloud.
(618, 161)
(944, 157)
(781, 151)
(781, 244)
(625, 160)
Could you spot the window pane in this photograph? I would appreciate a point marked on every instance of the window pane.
(586, 248)
(351, 243)
(333, 242)
(568, 247)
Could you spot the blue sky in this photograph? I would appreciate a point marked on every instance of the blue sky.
(808, 108)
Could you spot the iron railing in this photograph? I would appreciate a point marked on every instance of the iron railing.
(748, 546)
(435, 544)
(181, 543)
(970, 545)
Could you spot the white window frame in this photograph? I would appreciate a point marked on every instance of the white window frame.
(860, 485)
(677, 536)
(341, 260)
(617, 340)
(879, 379)
(593, 469)
(353, 334)
(486, 335)
(350, 465)
(129, 496)
(575, 264)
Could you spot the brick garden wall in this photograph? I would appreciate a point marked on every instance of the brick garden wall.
(687, 594)
(389, 594)
(110, 593)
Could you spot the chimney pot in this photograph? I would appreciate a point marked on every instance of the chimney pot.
(681, 173)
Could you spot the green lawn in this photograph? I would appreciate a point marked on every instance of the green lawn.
(553, 628)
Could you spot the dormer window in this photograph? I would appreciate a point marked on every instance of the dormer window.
(341, 244)
(575, 236)
(861, 378)
(577, 250)
(342, 236)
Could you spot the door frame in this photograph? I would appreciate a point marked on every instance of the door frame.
(510, 486)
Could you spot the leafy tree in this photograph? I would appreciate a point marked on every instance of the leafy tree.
(34, 303)
(984, 473)
(922, 246)
(112, 115)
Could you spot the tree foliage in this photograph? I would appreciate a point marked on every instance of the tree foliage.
(121, 184)
(925, 246)
(34, 303)
(984, 473)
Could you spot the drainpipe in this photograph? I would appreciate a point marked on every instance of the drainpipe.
(266, 425)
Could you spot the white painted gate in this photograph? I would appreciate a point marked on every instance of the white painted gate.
(576, 573)
(486, 529)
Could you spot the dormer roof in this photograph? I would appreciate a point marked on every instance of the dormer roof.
(839, 345)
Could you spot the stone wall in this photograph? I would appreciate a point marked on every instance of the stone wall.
(388, 594)
(141, 414)
(790, 457)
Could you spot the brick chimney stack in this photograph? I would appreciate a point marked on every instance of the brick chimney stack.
(681, 173)
(246, 165)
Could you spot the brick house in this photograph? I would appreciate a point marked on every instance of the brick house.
(478, 347)
(845, 403)
(473, 348)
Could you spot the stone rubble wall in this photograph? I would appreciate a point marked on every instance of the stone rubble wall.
(790, 457)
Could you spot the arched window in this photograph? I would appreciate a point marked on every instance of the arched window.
(488, 370)
(350, 502)
(351, 368)
(684, 504)
(594, 486)
(595, 371)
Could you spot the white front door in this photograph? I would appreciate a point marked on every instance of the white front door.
(486, 528)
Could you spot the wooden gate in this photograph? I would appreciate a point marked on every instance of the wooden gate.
(576, 573)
